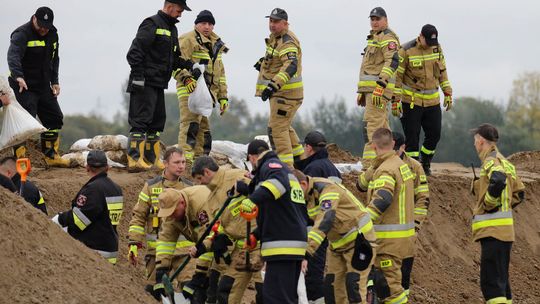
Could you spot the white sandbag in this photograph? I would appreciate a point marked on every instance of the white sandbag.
(301, 289)
(108, 142)
(237, 153)
(118, 156)
(348, 168)
(200, 101)
(80, 159)
(80, 145)
(264, 138)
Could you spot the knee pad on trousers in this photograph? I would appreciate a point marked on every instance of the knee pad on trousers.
(192, 132)
(211, 293)
(329, 297)
(406, 269)
(271, 138)
(381, 285)
(207, 144)
(364, 132)
(224, 289)
(353, 289)
(259, 295)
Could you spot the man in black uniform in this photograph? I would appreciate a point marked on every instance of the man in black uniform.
(33, 65)
(88, 221)
(30, 192)
(153, 56)
(281, 222)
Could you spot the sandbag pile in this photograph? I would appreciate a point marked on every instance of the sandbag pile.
(115, 147)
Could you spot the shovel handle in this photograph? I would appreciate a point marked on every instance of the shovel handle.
(23, 168)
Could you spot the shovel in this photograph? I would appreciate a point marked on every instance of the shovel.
(23, 168)
(248, 217)
(167, 281)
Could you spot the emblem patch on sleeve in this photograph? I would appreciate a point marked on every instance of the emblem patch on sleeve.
(275, 166)
(325, 205)
(392, 45)
(203, 217)
(81, 200)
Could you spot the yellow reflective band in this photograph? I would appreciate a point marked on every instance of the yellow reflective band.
(367, 227)
(286, 158)
(35, 43)
(283, 76)
(423, 178)
(406, 172)
(151, 244)
(421, 58)
(386, 179)
(401, 69)
(298, 150)
(291, 86)
(421, 189)
(413, 154)
(273, 189)
(314, 211)
(394, 234)
(373, 214)
(362, 179)
(329, 196)
(185, 243)
(136, 229)
(492, 223)
(402, 213)
(78, 222)
(208, 257)
(200, 55)
(112, 260)
(491, 200)
(422, 96)
(388, 71)
(381, 44)
(283, 251)
(41, 200)
(316, 237)
(55, 45)
(420, 211)
(427, 151)
(222, 80)
(445, 84)
(288, 50)
(497, 300)
(163, 32)
(143, 197)
(165, 248)
(401, 299)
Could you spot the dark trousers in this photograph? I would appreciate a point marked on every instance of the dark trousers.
(40, 102)
(147, 110)
(281, 282)
(417, 118)
(315, 274)
(406, 269)
(494, 263)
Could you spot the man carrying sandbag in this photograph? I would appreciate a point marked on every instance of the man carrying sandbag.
(33, 64)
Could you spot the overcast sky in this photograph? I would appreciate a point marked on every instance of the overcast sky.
(487, 44)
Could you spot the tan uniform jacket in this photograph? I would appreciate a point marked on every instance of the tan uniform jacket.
(421, 189)
(391, 205)
(197, 216)
(380, 61)
(420, 73)
(338, 216)
(493, 215)
(282, 65)
(200, 49)
(144, 224)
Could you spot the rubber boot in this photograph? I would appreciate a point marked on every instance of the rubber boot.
(50, 142)
(19, 151)
(152, 151)
(135, 153)
(425, 159)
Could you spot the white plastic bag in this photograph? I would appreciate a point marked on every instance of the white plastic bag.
(200, 101)
(18, 125)
(80, 145)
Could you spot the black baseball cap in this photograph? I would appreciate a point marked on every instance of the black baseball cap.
(96, 159)
(487, 131)
(182, 3)
(377, 12)
(315, 139)
(257, 146)
(205, 16)
(430, 34)
(278, 14)
(45, 17)
(399, 140)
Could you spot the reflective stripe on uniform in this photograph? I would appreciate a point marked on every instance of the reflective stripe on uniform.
(144, 197)
(318, 238)
(41, 200)
(364, 225)
(421, 189)
(181, 91)
(329, 196)
(445, 84)
(35, 43)
(286, 158)
(200, 55)
(285, 51)
(371, 81)
(208, 257)
(298, 150)
(394, 231)
(283, 248)
(501, 218)
(380, 44)
(165, 248)
(274, 186)
(293, 83)
(420, 211)
(402, 298)
(413, 154)
(182, 242)
(109, 255)
(427, 151)
(497, 300)
(115, 204)
(222, 79)
(163, 32)
(136, 229)
(314, 211)
(423, 94)
(80, 219)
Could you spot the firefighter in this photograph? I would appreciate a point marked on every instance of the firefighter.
(497, 192)
(342, 218)
(375, 86)
(183, 212)
(422, 70)
(280, 81)
(232, 233)
(390, 196)
(30, 193)
(205, 47)
(153, 56)
(33, 65)
(88, 220)
(281, 222)
(145, 224)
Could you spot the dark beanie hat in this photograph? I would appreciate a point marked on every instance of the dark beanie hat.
(205, 16)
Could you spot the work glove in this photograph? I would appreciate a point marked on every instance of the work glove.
(220, 247)
(377, 96)
(137, 84)
(397, 109)
(190, 83)
(133, 252)
(223, 105)
(198, 281)
(269, 91)
(242, 188)
(361, 100)
(448, 101)
(248, 206)
(258, 64)
(159, 288)
(196, 73)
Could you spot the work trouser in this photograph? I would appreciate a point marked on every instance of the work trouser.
(184, 276)
(194, 136)
(215, 273)
(147, 110)
(233, 282)
(417, 118)
(494, 263)
(406, 270)
(315, 275)
(283, 137)
(389, 288)
(343, 283)
(281, 282)
(41, 102)
(374, 118)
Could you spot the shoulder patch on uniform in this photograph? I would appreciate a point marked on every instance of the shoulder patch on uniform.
(287, 38)
(435, 50)
(203, 217)
(392, 45)
(275, 166)
(387, 31)
(81, 200)
(409, 45)
(155, 180)
(291, 55)
(326, 204)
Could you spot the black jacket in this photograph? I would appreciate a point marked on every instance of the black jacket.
(318, 165)
(88, 221)
(154, 53)
(34, 57)
(7, 183)
(30, 193)
(281, 223)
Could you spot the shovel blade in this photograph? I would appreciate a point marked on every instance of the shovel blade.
(179, 298)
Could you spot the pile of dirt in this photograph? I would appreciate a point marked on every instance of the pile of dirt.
(527, 161)
(337, 155)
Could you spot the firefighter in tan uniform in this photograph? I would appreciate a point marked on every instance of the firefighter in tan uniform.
(376, 83)
(145, 224)
(204, 47)
(342, 218)
(421, 71)
(280, 80)
(231, 235)
(391, 206)
(497, 192)
(183, 212)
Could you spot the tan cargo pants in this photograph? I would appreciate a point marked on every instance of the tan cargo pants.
(177, 260)
(374, 119)
(194, 136)
(280, 131)
(390, 266)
